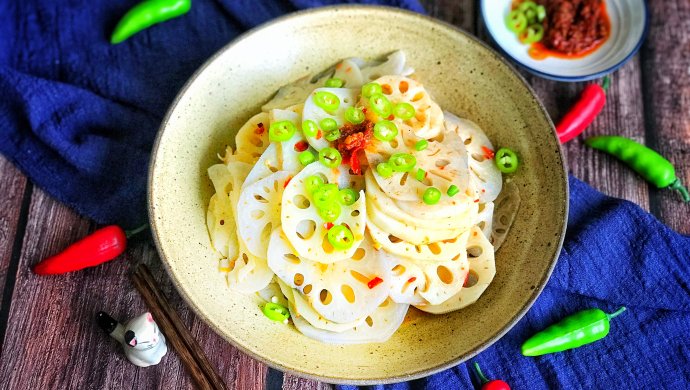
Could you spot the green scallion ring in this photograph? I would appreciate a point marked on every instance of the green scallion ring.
(385, 170)
(404, 111)
(281, 131)
(420, 174)
(330, 157)
(370, 89)
(385, 130)
(453, 190)
(380, 104)
(310, 128)
(305, 158)
(354, 115)
(402, 162)
(327, 101)
(334, 83)
(431, 196)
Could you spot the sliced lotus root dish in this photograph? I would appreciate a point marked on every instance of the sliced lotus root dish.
(252, 137)
(485, 178)
(305, 228)
(353, 195)
(480, 254)
(339, 292)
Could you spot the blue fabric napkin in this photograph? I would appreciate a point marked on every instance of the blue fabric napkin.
(79, 116)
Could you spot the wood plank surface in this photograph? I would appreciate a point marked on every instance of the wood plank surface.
(50, 336)
(666, 82)
(51, 328)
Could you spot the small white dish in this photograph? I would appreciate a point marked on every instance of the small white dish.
(629, 24)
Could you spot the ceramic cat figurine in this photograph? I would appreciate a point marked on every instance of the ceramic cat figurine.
(144, 344)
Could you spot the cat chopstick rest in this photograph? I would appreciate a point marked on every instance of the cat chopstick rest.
(144, 344)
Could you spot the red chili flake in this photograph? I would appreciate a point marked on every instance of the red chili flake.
(348, 69)
(287, 182)
(301, 146)
(354, 162)
(476, 201)
(374, 282)
(319, 134)
(412, 279)
(259, 130)
(488, 153)
(390, 117)
(442, 167)
(364, 110)
(328, 225)
(483, 190)
(340, 65)
(474, 234)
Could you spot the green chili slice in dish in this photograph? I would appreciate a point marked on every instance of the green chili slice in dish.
(402, 162)
(340, 237)
(385, 130)
(330, 157)
(281, 131)
(506, 160)
(327, 101)
(275, 312)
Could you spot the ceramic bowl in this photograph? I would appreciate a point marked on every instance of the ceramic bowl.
(629, 23)
(464, 75)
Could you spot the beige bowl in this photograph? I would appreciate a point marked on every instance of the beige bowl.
(465, 76)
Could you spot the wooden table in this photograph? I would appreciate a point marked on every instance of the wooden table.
(49, 336)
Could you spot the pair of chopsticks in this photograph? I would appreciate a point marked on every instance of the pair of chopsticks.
(193, 357)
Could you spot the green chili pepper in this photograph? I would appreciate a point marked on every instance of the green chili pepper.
(403, 111)
(329, 211)
(573, 331)
(348, 196)
(275, 312)
(305, 158)
(643, 160)
(281, 131)
(370, 89)
(340, 237)
(309, 128)
(506, 160)
(453, 190)
(327, 101)
(146, 14)
(402, 162)
(332, 135)
(421, 145)
(313, 183)
(381, 105)
(354, 115)
(385, 170)
(330, 157)
(385, 130)
(334, 83)
(328, 124)
(325, 195)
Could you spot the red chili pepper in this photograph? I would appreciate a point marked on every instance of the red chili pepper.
(488, 153)
(412, 279)
(467, 277)
(390, 117)
(354, 162)
(259, 129)
(328, 225)
(287, 181)
(100, 246)
(374, 282)
(301, 146)
(319, 134)
(495, 384)
(587, 108)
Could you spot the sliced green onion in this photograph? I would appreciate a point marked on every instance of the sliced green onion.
(431, 196)
(354, 115)
(541, 13)
(421, 145)
(534, 33)
(420, 174)
(453, 190)
(327, 101)
(381, 105)
(330, 157)
(516, 21)
(305, 158)
(402, 162)
(527, 5)
(385, 170)
(385, 130)
(404, 111)
(506, 160)
(348, 196)
(325, 195)
(281, 131)
(340, 237)
(328, 124)
(310, 128)
(334, 83)
(313, 183)
(370, 89)
(275, 312)
(332, 135)
(330, 211)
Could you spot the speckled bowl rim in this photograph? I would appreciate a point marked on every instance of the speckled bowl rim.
(338, 380)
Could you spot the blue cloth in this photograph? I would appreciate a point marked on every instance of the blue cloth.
(79, 116)
(615, 254)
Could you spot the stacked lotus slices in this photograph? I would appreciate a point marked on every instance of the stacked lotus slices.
(271, 239)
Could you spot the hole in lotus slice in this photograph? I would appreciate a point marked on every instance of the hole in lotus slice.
(298, 279)
(316, 247)
(444, 274)
(292, 258)
(398, 270)
(301, 202)
(252, 137)
(258, 214)
(369, 321)
(326, 297)
(472, 279)
(305, 229)
(355, 272)
(387, 89)
(403, 87)
(474, 251)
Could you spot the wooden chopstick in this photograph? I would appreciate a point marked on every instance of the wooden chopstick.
(193, 357)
